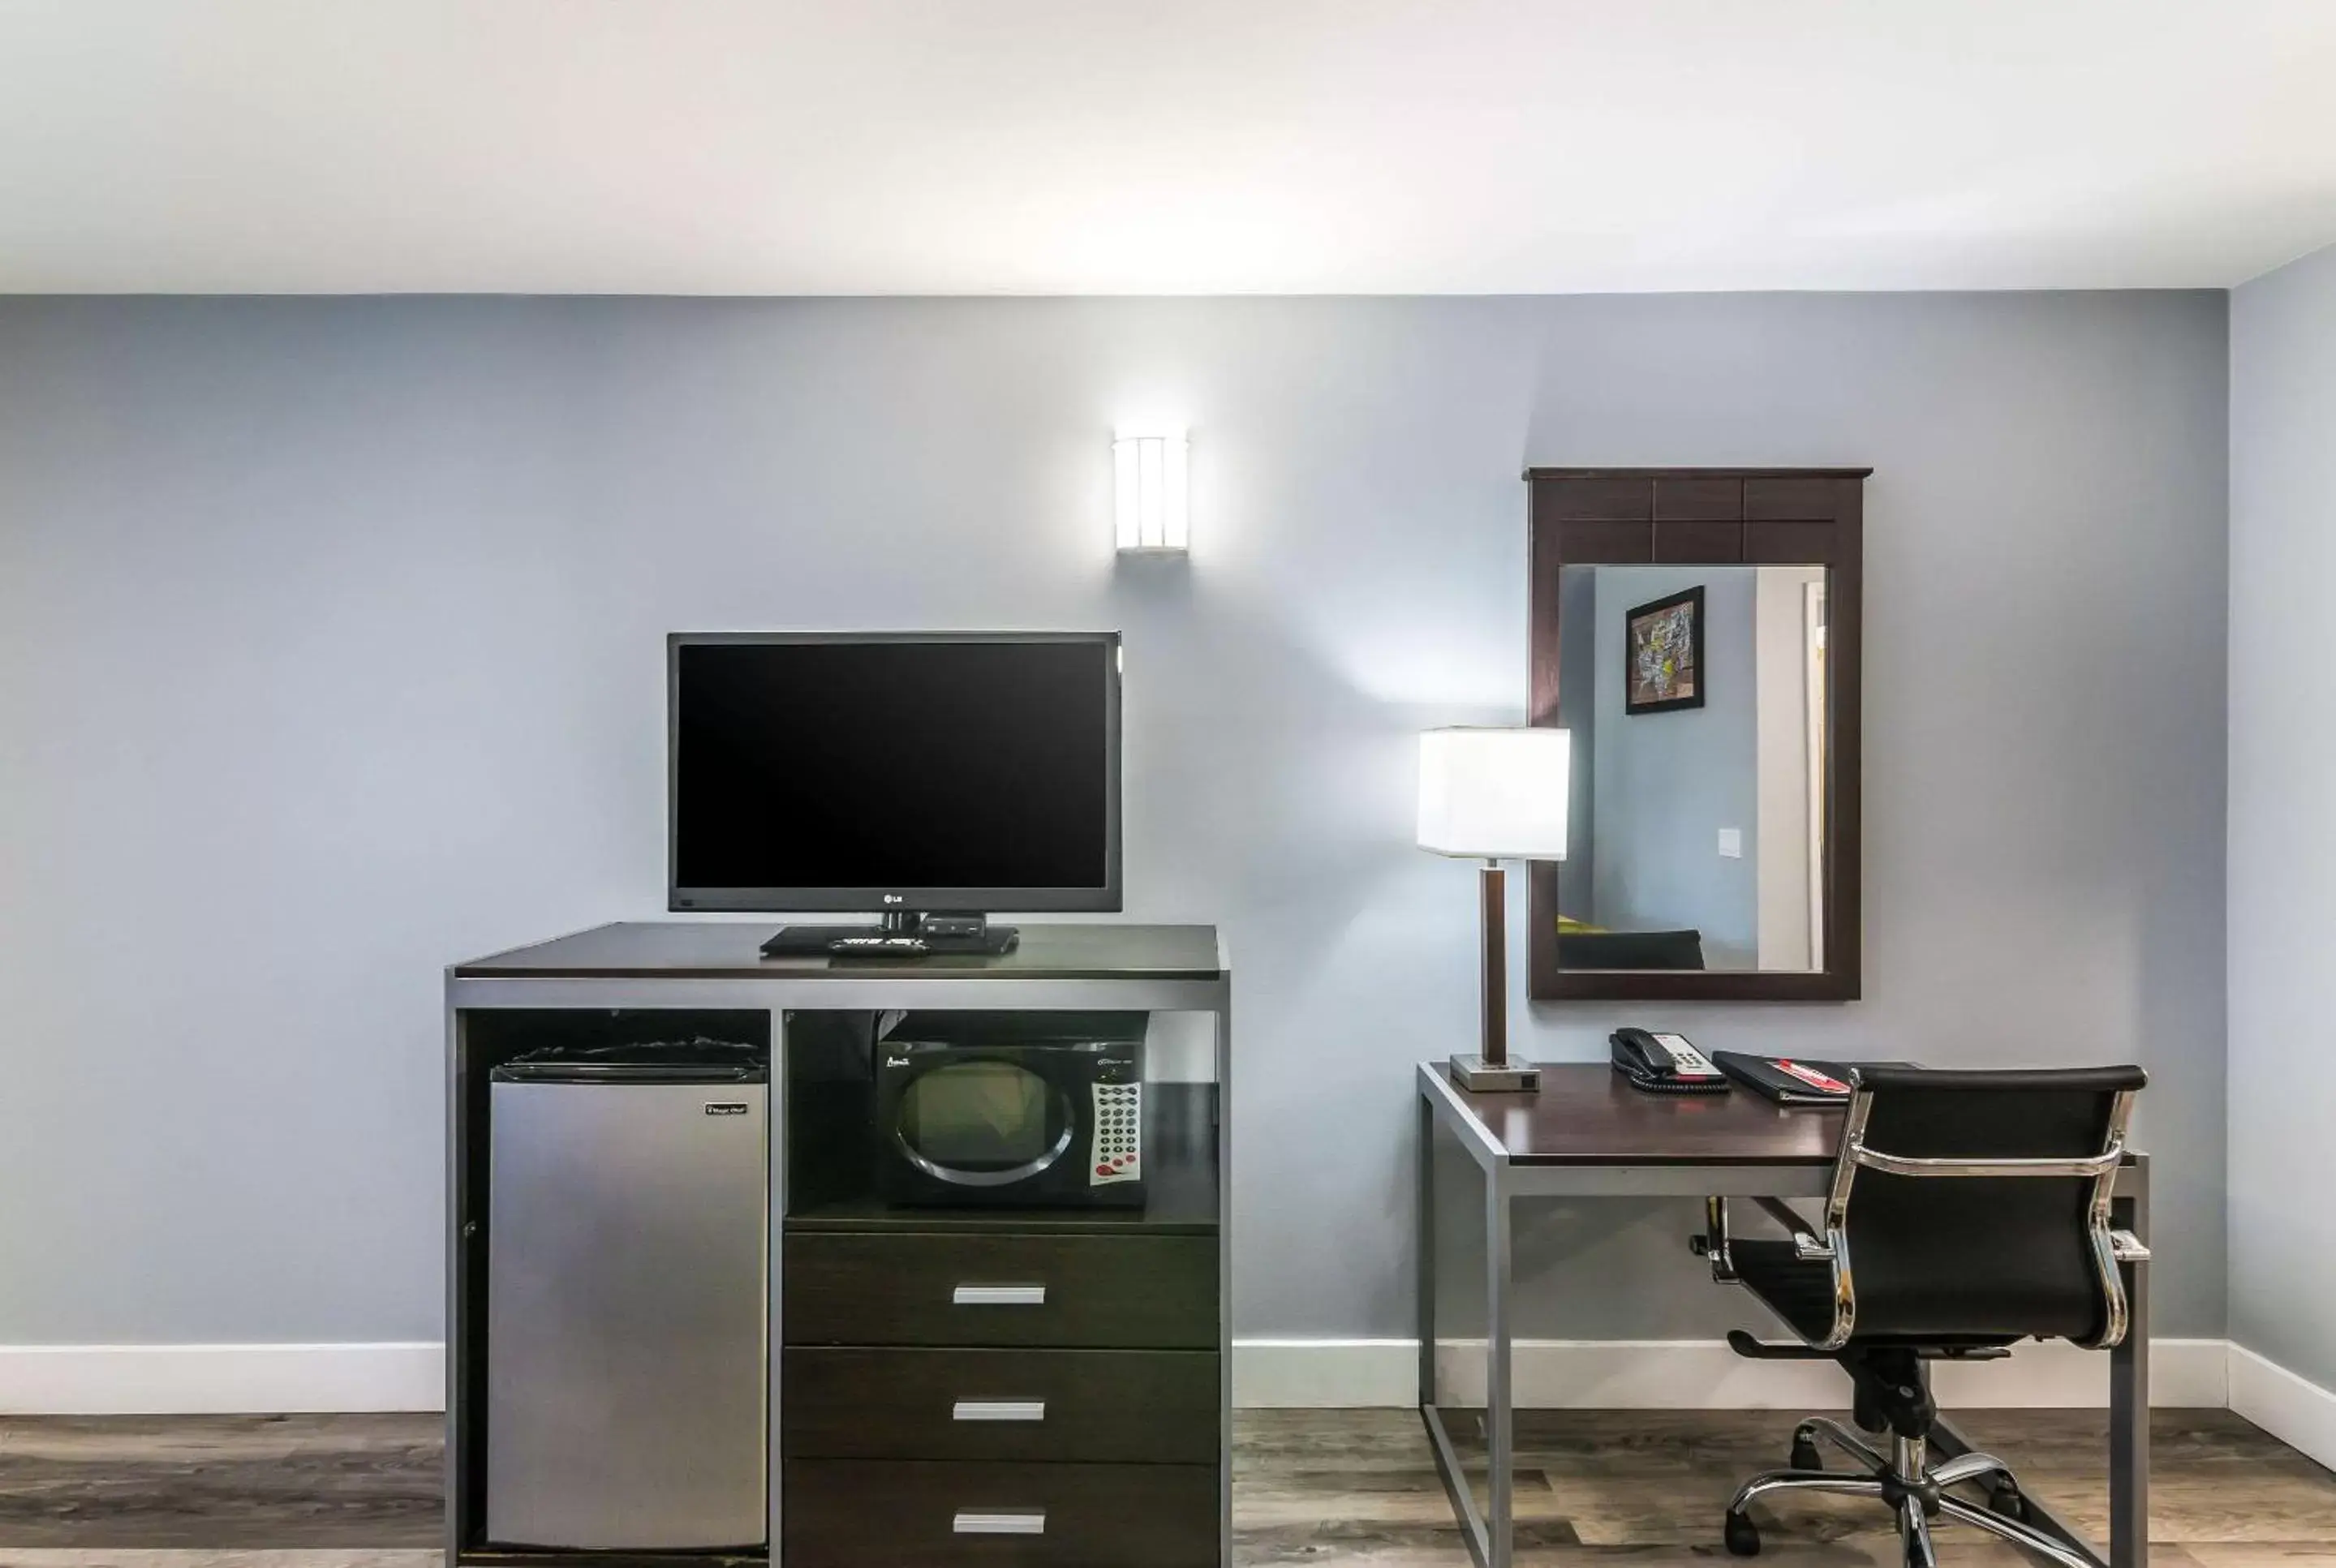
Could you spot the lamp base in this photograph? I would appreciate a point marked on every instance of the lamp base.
(1476, 1074)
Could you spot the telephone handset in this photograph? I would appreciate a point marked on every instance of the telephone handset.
(1664, 1063)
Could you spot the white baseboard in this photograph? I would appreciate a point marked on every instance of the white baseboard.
(1551, 1374)
(1690, 1374)
(1324, 1374)
(2297, 1411)
(219, 1379)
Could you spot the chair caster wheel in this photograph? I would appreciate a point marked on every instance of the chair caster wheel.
(2004, 1498)
(1804, 1455)
(1742, 1536)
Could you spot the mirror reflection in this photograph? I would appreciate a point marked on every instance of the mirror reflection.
(1696, 696)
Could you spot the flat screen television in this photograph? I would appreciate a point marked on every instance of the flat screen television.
(894, 773)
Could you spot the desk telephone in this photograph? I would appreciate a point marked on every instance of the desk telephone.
(1664, 1063)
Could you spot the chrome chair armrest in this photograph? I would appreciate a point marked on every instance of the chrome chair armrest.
(1713, 1243)
(2127, 1248)
(1805, 1244)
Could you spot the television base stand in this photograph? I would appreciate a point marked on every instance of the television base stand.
(940, 933)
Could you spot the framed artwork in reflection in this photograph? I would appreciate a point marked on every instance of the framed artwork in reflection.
(1662, 666)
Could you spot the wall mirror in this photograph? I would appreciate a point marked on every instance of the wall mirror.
(1696, 630)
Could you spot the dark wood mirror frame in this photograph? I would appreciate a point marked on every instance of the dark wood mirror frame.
(1716, 517)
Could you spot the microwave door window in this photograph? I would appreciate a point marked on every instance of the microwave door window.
(982, 1123)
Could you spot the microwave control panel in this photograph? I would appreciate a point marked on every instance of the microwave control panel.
(1118, 1134)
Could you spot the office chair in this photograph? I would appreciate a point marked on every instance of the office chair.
(1975, 1209)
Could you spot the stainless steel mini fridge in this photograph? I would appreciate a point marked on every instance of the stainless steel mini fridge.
(628, 1269)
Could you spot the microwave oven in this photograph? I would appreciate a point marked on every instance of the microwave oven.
(1041, 1110)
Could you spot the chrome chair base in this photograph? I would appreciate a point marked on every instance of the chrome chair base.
(1912, 1489)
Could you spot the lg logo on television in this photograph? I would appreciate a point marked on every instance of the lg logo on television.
(892, 898)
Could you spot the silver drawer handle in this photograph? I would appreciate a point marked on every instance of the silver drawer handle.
(1000, 1523)
(998, 1296)
(998, 1411)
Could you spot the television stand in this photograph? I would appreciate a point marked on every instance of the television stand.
(1135, 1316)
(940, 933)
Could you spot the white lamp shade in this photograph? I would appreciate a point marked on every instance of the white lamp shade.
(1494, 794)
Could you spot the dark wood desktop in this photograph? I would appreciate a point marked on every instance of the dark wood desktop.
(1585, 1114)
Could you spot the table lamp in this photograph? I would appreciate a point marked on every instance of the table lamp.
(1494, 795)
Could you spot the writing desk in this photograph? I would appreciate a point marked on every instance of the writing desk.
(1586, 1133)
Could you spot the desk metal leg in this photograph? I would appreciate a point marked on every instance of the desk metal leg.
(1500, 1521)
(1425, 1310)
(1478, 1529)
(2130, 1400)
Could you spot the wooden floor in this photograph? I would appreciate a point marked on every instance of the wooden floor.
(1327, 1488)
(1643, 1486)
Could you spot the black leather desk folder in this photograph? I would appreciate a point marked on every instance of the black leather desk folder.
(1773, 1077)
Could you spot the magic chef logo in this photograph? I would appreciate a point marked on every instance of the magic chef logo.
(725, 1108)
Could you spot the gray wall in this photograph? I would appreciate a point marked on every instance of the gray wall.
(1670, 781)
(2283, 849)
(329, 653)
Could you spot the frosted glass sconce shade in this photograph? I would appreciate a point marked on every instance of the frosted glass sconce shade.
(1152, 505)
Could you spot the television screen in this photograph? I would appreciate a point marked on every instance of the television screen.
(938, 771)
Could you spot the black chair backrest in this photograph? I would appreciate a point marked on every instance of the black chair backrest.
(1943, 1255)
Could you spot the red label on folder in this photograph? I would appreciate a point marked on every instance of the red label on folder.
(1812, 1077)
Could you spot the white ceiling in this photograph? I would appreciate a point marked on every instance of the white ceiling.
(1182, 146)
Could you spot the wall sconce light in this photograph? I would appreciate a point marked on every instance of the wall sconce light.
(1153, 509)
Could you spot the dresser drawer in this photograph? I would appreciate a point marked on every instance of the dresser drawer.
(971, 1288)
(1143, 1407)
(909, 1514)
